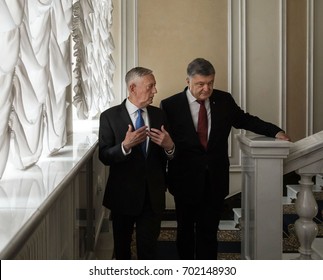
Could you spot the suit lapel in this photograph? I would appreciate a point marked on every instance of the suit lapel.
(153, 123)
(184, 107)
(213, 116)
(124, 115)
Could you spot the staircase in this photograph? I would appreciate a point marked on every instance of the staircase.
(272, 221)
(230, 229)
(229, 234)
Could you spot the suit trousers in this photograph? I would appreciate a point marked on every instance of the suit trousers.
(147, 233)
(197, 226)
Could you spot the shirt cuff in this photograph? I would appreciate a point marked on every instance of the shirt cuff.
(170, 152)
(123, 150)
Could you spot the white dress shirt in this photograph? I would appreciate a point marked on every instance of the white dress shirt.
(133, 112)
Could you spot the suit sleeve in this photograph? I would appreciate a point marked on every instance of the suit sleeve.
(110, 150)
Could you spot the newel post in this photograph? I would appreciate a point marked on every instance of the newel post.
(262, 192)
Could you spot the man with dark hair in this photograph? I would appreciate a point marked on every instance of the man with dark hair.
(200, 120)
(133, 141)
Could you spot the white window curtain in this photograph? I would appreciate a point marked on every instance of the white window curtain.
(35, 72)
(95, 66)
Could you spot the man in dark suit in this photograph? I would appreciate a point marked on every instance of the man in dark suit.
(134, 143)
(198, 176)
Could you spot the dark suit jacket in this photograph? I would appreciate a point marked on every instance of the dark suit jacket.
(186, 172)
(131, 175)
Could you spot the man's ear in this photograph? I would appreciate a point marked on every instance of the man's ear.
(188, 82)
(132, 87)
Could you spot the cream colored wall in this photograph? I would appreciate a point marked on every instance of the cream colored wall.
(304, 67)
(171, 33)
(296, 68)
(260, 50)
(263, 59)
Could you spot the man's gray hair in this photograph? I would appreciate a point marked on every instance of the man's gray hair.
(135, 73)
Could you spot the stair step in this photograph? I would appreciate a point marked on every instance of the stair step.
(168, 224)
(288, 205)
(292, 191)
(237, 215)
(228, 225)
(287, 200)
(229, 234)
(319, 180)
(288, 208)
(317, 246)
(290, 256)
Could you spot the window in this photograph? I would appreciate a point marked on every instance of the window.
(36, 74)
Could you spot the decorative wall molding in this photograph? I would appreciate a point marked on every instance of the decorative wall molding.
(283, 67)
(310, 69)
(129, 41)
(242, 55)
(237, 68)
(238, 15)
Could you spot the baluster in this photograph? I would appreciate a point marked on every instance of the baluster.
(306, 208)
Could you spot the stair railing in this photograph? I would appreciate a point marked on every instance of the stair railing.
(261, 209)
(264, 162)
(306, 159)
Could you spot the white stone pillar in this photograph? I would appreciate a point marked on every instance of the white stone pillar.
(262, 192)
(306, 158)
(306, 209)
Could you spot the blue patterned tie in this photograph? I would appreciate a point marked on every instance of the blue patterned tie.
(139, 123)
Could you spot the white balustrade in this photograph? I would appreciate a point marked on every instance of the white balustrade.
(262, 191)
(53, 210)
(264, 162)
(306, 158)
(306, 208)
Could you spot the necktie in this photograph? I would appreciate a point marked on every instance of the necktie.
(139, 123)
(202, 129)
